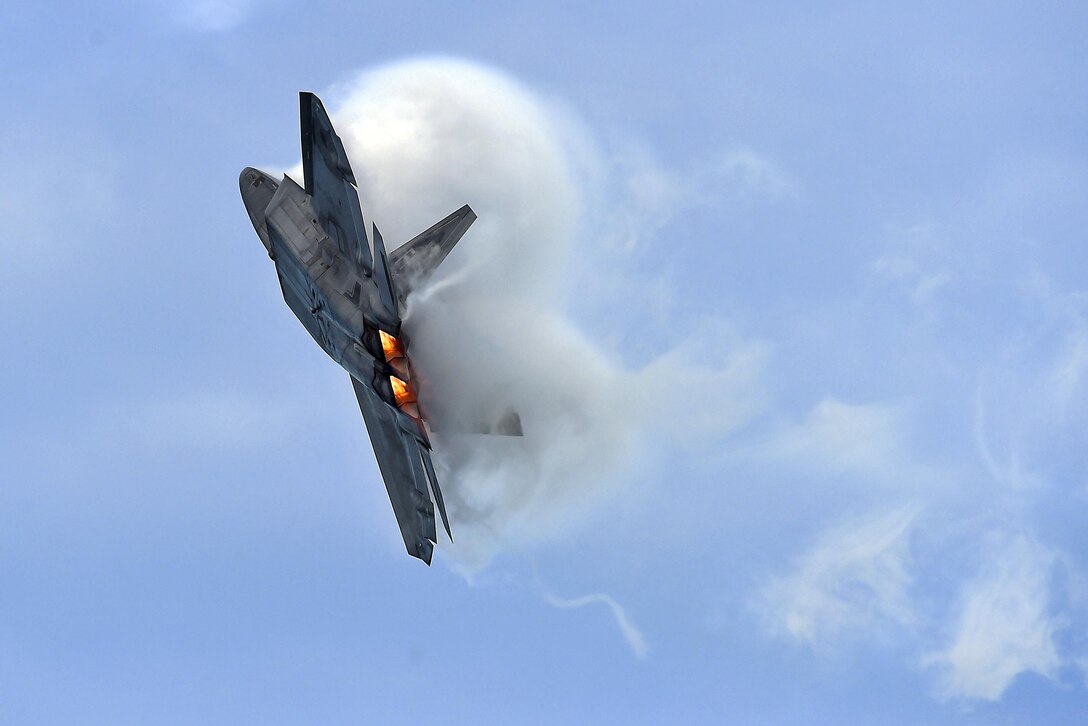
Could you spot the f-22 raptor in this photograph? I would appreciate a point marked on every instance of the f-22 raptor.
(350, 297)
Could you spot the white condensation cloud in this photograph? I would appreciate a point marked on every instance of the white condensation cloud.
(1004, 627)
(860, 438)
(491, 332)
(854, 582)
(431, 135)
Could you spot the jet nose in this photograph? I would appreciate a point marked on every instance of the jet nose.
(257, 190)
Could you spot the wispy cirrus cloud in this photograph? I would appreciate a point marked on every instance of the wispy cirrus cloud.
(1005, 626)
(862, 438)
(855, 582)
(648, 193)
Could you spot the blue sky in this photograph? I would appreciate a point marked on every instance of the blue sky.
(795, 299)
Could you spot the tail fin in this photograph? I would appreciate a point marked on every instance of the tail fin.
(382, 277)
(508, 425)
(414, 261)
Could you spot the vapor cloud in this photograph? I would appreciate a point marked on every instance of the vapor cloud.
(491, 333)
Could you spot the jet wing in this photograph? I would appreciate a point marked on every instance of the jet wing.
(405, 465)
(331, 183)
(414, 261)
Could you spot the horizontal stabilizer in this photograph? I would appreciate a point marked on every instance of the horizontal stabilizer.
(508, 424)
(257, 189)
(414, 261)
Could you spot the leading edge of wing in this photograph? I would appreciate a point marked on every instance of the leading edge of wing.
(330, 182)
(318, 133)
(406, 469)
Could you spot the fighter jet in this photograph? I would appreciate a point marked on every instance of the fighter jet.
(350, 297)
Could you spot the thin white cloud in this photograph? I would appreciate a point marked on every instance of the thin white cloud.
(854, 581)
(1005, 627)
(213, 15)
(1031, 397)
(843, 437)
(649, 196)
(649, 193)
(916, 261)
(1065, 314)
(927, 286)
(746, 172)
(1008, 470)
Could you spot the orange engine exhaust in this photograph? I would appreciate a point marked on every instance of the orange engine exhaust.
(403, 393)
(391, 346)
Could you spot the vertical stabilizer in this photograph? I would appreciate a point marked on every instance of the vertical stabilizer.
(382, 278)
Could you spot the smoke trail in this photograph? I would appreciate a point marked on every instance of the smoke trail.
(630, 631)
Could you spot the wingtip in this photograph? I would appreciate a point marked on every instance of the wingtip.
(424, 551)
(432, 478)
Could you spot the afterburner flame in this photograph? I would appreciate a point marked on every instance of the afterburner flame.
(391, 346)
(405, 396)
(402, 392)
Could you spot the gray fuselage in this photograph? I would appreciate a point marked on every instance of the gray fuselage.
(325, 291)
